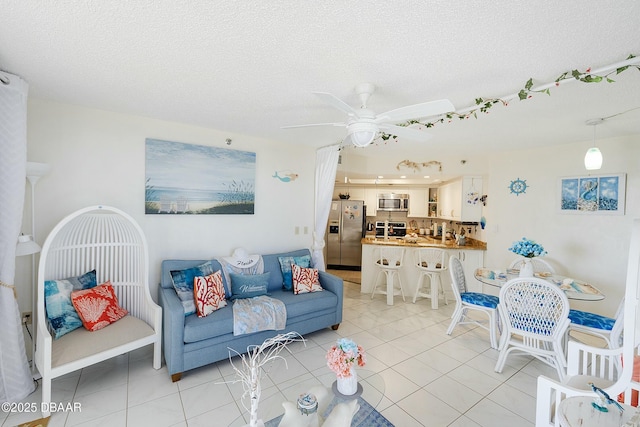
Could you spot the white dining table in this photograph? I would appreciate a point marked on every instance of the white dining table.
(573, 288)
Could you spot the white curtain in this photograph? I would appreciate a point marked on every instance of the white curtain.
(326, 166)
(15, 377)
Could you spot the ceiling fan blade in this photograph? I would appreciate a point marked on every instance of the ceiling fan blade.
(417, 111)
(405, 132)
(314, 124)
(336, 102)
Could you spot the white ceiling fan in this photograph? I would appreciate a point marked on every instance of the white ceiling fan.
(363, 125)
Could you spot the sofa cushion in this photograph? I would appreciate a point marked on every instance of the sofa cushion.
(249, 285)
(183, 284)
(272, 264)
(305, 279)
(286, 263)
(63, 317)
(209, 293)
(218, 323)
(98, 306)
(302, 304)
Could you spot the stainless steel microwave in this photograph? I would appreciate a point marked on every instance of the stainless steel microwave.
(393, 202)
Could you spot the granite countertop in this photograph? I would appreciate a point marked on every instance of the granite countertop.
(428, 242)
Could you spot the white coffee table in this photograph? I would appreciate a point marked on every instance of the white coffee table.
(578, 411)
(373, 387)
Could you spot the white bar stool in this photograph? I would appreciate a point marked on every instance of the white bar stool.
(431, 262)
(389, 262)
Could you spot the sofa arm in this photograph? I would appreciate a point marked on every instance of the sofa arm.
(336, 285)
(172, 330)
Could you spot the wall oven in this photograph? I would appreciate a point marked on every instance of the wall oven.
(393, 202)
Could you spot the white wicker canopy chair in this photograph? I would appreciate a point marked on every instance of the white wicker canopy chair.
(611, 369)
(111, 242)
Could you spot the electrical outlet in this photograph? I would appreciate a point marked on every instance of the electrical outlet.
(26, 318)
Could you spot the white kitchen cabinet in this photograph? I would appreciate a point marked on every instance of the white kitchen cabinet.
(371, 200)
(471, 260)
(418, 202)
(459, 200)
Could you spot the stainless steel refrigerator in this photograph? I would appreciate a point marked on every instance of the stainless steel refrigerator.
(345, 232)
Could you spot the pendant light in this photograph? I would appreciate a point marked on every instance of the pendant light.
(593, 158)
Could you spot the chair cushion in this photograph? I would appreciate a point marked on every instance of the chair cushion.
(591, 320)
(249, 285)
(285, 266)
(98, 306)
(483, 300)
(305, 280)
(209, 293)
(183, 284)
(63, 317)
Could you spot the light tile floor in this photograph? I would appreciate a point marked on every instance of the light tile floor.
(430, 378)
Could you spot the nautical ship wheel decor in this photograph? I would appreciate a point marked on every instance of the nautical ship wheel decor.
(518, 186)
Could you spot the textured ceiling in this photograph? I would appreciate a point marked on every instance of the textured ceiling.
(251, 67)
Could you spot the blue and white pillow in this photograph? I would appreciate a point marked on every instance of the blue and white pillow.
(63, 317)
(183, 284)
(285, 267)
(249, 285)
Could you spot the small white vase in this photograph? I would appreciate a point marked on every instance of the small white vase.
(526, 268)
(349, 385)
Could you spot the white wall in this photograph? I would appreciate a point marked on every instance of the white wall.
(98, 157)
(588, 247)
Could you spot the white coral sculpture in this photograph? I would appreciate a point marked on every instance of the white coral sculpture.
(252, 368)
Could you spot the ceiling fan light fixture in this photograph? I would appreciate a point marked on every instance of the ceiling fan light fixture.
(362, 134)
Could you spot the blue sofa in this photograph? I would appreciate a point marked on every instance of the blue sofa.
(191, 341)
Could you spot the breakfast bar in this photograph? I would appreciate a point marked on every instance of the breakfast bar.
(471, 255)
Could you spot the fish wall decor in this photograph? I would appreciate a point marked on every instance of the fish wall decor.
(285, 176)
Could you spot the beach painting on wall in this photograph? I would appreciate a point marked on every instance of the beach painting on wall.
(596, 194)
(198, 179)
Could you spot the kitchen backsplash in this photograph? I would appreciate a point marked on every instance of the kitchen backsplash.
(472, 231)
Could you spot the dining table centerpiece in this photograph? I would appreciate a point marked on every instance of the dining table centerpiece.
(527, 249)
(342, 359)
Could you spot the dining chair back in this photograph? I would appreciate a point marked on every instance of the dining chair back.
(539, 265)
(535, 318)
(389, 261)
(472, 301)
(431, 262)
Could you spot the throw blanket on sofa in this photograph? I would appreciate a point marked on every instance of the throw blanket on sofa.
(256, 314)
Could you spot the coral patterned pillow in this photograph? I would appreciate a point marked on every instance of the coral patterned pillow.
(305, 279)
(209, 293)
(97, 307)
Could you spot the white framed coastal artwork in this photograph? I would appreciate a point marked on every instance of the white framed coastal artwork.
(189, 179)
(593, 194)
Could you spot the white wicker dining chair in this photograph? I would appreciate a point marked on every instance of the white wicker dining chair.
(611, 369)
(111, 242)
(535, 318)
(472, 301)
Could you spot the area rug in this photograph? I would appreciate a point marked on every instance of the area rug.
(366, 416)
